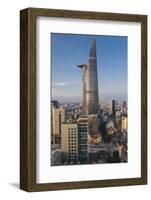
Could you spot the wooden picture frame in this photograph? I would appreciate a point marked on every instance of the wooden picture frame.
(28, 98)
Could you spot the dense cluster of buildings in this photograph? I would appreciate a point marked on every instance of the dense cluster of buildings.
(89, 133)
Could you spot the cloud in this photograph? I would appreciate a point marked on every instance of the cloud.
(61, 84)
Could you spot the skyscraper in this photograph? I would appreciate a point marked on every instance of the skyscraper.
(124, 123)
(54, 104)
(83, 131)
(69, 142)
(124, 107)
(59, 115)
(113, 108)
(90, 83)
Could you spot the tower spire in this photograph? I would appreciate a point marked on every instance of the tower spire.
(90, 82)
(92, 53)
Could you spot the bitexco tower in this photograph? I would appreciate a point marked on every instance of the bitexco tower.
(90, 83)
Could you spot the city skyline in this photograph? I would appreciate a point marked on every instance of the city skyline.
(88, 133)
(69, 50)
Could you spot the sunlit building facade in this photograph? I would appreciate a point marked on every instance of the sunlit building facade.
(69, 142)
(124, 123)
(59, 115)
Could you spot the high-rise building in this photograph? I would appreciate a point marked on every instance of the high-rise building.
(74, 141)
(113, 108)
(90, 83)
(69, 142)
(83, 131)
(54, 104)
(124, 107)
(93, 122)
(124, 123)
(59, 115)
(118, 115)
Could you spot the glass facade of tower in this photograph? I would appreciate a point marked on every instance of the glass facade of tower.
(90, 83)
(83, 140)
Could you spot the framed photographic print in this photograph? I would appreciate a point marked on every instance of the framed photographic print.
(83, 92)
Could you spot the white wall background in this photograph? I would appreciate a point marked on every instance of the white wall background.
(9, 98)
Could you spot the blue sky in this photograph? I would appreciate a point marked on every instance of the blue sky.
(69, 50)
